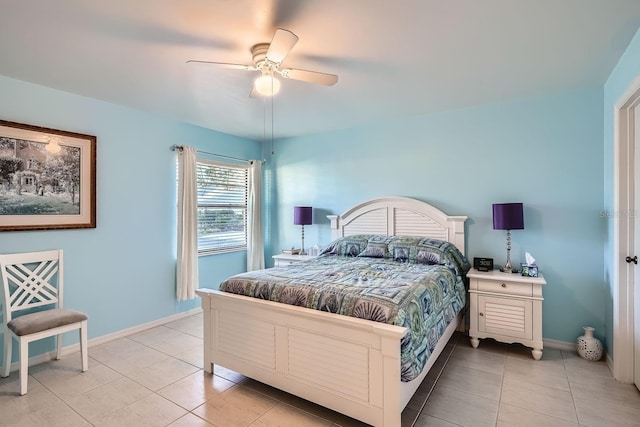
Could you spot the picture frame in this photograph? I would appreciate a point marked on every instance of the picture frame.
(47, 178)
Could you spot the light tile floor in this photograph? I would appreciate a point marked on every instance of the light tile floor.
(155, 378)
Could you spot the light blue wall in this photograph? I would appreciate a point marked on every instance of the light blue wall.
(545, 152)
(625, 72)
(123, 272)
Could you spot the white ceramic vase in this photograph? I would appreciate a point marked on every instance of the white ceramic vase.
(589, 347)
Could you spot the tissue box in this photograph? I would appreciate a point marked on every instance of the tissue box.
(529, 270)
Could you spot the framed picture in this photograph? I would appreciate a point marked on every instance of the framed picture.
(47, 178)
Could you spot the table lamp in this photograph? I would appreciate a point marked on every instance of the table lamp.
(508, 216)
(302, 215)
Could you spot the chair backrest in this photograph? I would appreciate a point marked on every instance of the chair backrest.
(30, 280)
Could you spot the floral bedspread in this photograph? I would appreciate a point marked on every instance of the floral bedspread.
(423, 298)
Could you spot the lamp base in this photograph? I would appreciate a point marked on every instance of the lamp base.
(507, 266)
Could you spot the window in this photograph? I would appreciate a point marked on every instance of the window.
(32, 164)
(222, 207)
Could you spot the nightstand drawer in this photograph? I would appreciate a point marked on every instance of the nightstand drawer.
(504, 287)
(285, 262)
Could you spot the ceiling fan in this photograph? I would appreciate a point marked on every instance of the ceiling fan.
(267, 58)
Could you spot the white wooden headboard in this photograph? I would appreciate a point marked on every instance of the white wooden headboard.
(394, 216)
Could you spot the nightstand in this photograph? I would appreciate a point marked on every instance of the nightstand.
(506, 307)
(282, 260)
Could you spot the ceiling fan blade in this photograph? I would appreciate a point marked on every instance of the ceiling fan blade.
(282, 42)
(310, 76)
(224, 64)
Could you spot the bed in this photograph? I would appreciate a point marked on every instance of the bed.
(351, 365)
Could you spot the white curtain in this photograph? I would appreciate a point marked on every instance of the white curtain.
(255, 244)
(187, 272)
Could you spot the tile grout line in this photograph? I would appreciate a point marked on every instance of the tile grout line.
(435, 382)
(573, 399)
(179, 330)
(64, 401)
(504, 368)
(554, 388)
(124, 375)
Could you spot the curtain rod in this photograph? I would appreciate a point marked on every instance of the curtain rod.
(180, 148)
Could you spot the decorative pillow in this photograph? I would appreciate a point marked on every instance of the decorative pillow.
(377, 246)
(380, 238)
(400, 253)
(424, 250)
(404, 248)
(347, 246)
(450, 255)
(426, 257)
(374, 250)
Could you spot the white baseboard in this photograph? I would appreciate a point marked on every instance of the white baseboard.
(609, 362)
(559, 345)
(45, 357)
(570, 346)
(135, 329)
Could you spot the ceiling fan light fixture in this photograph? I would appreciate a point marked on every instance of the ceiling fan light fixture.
(267, 85)
(267, 59)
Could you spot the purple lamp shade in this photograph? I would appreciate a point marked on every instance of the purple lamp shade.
(508, 216)
(302, 215)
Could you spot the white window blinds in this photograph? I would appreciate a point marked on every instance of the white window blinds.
(222, 207)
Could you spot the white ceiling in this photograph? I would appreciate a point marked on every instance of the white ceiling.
(394, 57)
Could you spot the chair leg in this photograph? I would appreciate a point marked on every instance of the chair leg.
(59, 346)
(83, 347)
(24, 365)
(6, 367)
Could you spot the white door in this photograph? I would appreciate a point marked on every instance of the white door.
(636, 242)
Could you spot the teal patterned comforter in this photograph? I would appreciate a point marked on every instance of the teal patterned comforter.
(424, 298)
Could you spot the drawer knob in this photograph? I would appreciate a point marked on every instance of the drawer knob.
(481, 314)
(503, 285)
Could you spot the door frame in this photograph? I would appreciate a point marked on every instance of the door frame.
(623, 242)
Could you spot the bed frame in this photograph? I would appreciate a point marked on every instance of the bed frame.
(346, 364)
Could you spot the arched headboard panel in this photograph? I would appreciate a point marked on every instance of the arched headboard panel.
(394, 216)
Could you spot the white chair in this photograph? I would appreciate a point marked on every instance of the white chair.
(33, 280)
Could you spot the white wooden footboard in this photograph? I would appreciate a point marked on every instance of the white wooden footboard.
(349, 365)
